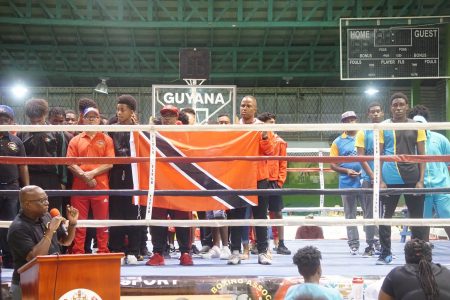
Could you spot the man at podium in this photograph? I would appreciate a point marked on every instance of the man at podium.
(34, 232)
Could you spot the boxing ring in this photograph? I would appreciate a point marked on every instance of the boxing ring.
(214, 278)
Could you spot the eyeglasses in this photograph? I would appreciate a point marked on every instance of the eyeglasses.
(41, 200)
(91, 118)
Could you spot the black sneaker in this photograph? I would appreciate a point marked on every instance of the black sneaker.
(282, 249)
(195, 250)
(140, 257)
(368, 252)
(144, 252)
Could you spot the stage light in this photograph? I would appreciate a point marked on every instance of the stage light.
(371, 91)
(19, 91)
(102, 87)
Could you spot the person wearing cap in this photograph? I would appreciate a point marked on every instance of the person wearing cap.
(436, 172)
(44, 144)
(401, 174)
(88, 176)
(364, 146)
(169, 116)
(349, 176)
(10, 175)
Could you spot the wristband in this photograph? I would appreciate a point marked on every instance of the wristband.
(72, 225)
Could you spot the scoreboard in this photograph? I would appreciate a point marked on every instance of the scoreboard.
(392, 53)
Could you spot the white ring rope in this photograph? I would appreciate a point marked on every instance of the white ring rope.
(235, 127)
(322, 221)
(326, 209)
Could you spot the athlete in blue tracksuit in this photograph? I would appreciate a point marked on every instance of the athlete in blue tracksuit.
(436, 173)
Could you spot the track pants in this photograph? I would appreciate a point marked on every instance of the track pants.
(99, 206)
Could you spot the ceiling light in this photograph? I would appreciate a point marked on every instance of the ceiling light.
(19, 90)
(371, 91)
(287, 79)
(102, 87)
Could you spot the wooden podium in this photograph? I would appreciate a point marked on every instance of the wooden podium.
(52, 276)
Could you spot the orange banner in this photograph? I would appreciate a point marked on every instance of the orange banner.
(198, 176)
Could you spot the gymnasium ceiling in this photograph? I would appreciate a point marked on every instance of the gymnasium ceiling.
(136, 42)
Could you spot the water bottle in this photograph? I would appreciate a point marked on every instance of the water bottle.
(357, 288)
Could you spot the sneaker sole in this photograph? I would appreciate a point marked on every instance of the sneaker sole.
(155, 265)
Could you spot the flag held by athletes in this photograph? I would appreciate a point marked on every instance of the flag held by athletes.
(217, 175)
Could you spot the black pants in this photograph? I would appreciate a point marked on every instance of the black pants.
(48, 181)
(122, 208)
(259, 212)
(8, 211)
(205, 232)
(159, 233)
(414, 203)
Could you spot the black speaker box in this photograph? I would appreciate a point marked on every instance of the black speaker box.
(194, 63)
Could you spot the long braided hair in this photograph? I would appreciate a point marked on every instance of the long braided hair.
(419, 252)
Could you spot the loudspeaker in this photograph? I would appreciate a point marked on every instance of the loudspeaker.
(194, 63)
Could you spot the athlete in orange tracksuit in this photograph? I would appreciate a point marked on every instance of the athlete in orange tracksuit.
(91, 177)
(277, 177)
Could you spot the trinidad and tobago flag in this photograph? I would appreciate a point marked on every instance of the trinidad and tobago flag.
(217, 175)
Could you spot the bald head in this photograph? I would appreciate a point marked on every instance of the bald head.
(30, 192)
(248, 109)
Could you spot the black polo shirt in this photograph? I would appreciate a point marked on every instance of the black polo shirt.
(23, 234)
(44, 144)
(10, 145)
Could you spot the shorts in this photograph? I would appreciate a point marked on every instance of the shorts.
(216, 214)
(275, 201)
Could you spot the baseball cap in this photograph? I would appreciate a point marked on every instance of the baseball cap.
(6, 110)
(420, 119)
(169, 108)
(89, 109)
(348, 114)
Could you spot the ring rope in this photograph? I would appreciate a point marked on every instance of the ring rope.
(127, 160)
(242, 192)
(234, 127)
(323, 221)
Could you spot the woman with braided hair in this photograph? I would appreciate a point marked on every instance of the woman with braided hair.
(419, 279)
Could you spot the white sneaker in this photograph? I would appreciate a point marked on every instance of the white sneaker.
(225, 253)
(235, 258)
(132, 260)
(264, 259)
(214, 252)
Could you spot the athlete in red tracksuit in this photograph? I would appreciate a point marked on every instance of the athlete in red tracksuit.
(91, 177)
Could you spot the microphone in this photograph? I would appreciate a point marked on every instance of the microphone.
(54, 212)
